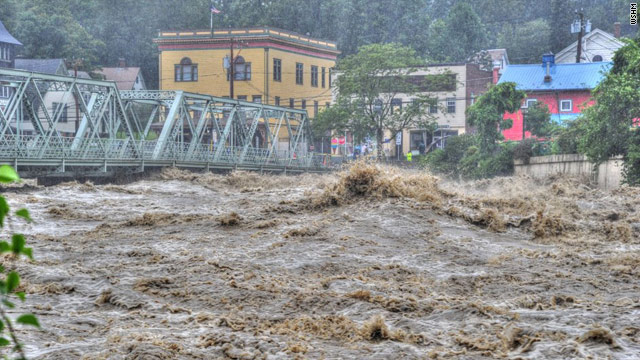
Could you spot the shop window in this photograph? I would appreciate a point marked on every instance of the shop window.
(299, 73)
(186, 71)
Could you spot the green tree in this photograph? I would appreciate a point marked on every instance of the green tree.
(460, 36)
(447, 161)
(486, 114)
(49, 30)
(538, 121)
(7, 13)
(9, 283)
(525, 43)
(560, 22)
(566, 139)
(370, 84)
(607, 126)
(438, 43)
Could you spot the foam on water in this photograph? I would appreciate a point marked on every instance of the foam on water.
(373, 262)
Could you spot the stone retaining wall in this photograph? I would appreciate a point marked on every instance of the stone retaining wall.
(608, 175)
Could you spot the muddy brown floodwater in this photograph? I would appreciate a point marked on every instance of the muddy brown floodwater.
(372, 263)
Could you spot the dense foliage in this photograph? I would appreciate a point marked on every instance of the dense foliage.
(481, 155)
(486, 114)
(10, 283)
(368, 84)
(101, 31)
(462, 158)
(447, 161)
(538, 121)
(566, 138)
(608, 126)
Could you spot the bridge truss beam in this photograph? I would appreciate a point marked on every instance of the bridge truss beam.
(159, 127)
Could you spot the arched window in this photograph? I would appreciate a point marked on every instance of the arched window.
(597, 58)
(186, 70)
(241, 69)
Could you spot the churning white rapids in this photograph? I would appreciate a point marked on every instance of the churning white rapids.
(369, 263)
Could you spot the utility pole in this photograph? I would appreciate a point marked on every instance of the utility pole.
(524, 113)
(231, 74)
(580, 35)
(211, 18)
(75, 97)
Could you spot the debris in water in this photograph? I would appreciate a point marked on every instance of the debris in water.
(230, 219)
(599, 335)
(380, 262)
(119, 299)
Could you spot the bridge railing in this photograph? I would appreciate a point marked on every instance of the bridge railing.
(40, 148)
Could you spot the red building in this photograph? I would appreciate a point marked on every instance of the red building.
(564, 88)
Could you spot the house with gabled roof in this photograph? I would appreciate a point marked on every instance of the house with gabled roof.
(58, 104)
(597, 46)
(564, 88)
(44, 66)
(125, 77)
(8, 48)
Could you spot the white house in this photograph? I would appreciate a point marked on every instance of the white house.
(125, 77)
(56, 103)
(597, 45)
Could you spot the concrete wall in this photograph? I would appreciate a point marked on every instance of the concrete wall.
(610, 174)
(607, 176)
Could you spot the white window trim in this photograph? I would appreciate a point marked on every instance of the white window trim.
(4, 91)
(527, 101)
(451, 102)
(570, 105)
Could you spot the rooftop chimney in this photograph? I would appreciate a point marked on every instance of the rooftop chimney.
(121, 63)
(616, 30)
(548, 60)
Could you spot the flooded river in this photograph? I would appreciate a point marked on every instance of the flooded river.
(371, 263)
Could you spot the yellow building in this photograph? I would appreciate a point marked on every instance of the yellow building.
(272, 66)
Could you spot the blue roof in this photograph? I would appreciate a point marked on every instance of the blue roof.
(5, 37)
(579, 76)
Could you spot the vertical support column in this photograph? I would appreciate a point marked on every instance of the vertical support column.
(225, 135)
(168, 125)
(196, 136)
(250, 135)
(84, 124)
(299, 135)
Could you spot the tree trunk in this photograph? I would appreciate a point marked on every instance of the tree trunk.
(379, 139)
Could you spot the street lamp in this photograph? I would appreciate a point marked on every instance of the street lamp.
(377, 108)
(524, 111)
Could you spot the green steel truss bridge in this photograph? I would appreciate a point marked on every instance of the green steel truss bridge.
(129, 131)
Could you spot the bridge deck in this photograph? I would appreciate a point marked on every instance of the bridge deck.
(189, 130)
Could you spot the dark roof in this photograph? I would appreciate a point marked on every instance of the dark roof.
(579, 76)
(125, 77)
(5, 37)
(81, 74)
(45, 66)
